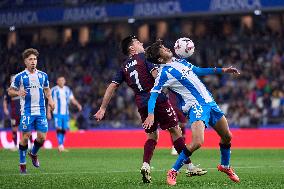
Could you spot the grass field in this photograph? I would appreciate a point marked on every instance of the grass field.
(119, 168)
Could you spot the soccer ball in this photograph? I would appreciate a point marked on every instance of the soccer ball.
(184, 47)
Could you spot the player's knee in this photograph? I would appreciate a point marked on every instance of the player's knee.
(227, 138)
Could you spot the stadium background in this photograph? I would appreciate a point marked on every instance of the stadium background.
(80, 40)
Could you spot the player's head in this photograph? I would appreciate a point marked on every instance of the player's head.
(131, 45)
(61, 81)
(157, 53)
(30, 58)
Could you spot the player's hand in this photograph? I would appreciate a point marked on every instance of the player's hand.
(148, 123)
(22, 93)
(48, 115)
(6, 112)
(100, 114)
(231, 70)
(79, 107)
(51, 104)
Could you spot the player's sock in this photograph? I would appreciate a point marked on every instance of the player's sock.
(63, 136)
(149, 148)
(179, 145)
(14, 133)
(59, 137)
(225, 154)
(184, 155)
(36, 147)
(22, 153)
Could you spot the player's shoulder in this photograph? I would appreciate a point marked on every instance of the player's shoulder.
(20, 74)
(54, 88)
(67, 88)
(41, 72)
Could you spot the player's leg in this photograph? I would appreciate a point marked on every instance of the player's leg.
(23, 147)
(41, 127)
(65, 127)
(199, 117)
(222, 128)
(25, 127)
(58, 121)
(14, 124)
(149, 146)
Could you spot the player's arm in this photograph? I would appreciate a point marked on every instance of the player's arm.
(51, 103)
(160, 83)
(155, 73)
(107, 97)
(211, 71)
(75, 102)
(48, 107)
(5, 105)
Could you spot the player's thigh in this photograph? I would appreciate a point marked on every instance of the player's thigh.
(26, 123)
(181, 117)
(199, 113)
(65, 123)
(58, 121)
(166, 116)
(41, 124)
(143, 115)
(222, 128)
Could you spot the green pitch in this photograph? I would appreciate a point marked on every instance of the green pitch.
(119, 168)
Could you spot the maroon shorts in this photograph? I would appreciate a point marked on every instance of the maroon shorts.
(165, 117)
(15, 121)
(180, 116)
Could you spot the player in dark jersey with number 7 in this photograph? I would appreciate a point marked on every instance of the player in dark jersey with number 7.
(140, 75)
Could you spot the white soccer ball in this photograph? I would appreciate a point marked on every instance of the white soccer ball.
(184, 47)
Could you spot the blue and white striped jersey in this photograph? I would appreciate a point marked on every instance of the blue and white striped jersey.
(181, 77)
(33, 83)
(61, 98)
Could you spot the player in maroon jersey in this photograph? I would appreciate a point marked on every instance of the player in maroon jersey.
(180, 116)
(13, 113)
(139, 74)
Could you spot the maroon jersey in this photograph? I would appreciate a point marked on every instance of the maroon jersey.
(15, 106)
(136, 72)
(176, 104)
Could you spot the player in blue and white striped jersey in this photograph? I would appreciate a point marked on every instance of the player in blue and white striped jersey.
(62, 96)
(197, 102)
(32, 86)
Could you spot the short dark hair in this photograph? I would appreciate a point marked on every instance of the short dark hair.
(28, 52)
(153, 52)
(126, 42)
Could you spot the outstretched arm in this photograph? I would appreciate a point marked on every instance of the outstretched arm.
(107, 97)
(151, 107)
(210, 71)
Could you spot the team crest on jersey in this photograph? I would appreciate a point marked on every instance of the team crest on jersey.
(40, 75)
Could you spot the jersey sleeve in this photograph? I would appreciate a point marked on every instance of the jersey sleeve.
(46, 82)
(119, 77)
(71, 96)
(206, 71)
(16, 82)
(162, 81)
(53, 93)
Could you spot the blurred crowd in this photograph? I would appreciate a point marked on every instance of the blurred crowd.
(253, 99)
